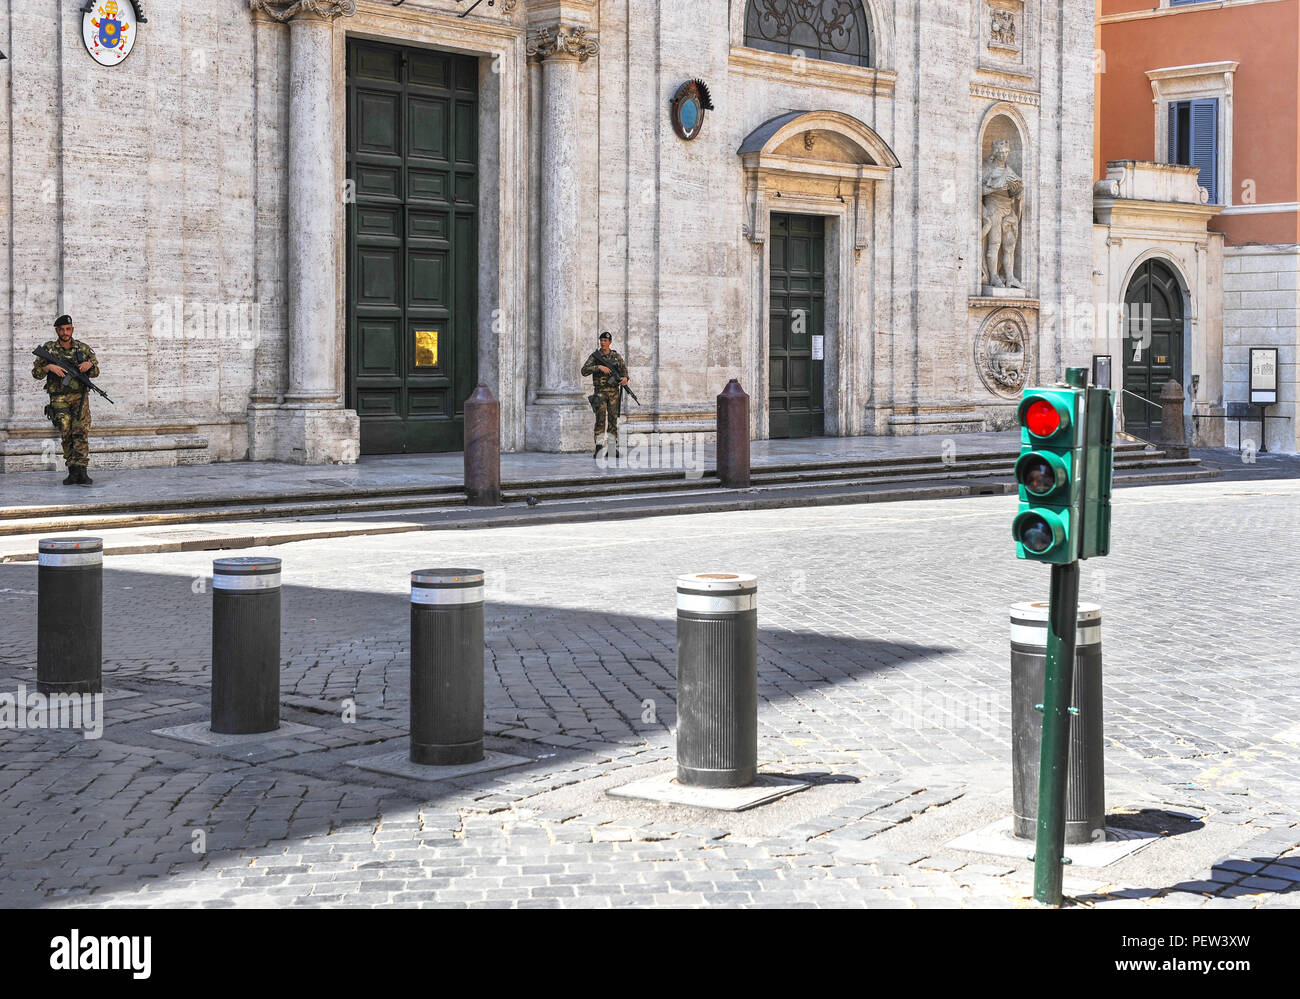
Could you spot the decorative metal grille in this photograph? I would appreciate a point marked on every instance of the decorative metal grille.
(833, 30)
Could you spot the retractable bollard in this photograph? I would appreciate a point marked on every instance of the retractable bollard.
(717, 679)
(70, 616)
(446, 666)
(245, 645)
(1085, 814)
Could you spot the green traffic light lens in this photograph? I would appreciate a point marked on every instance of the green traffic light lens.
(1038, 475)
(1036, 534)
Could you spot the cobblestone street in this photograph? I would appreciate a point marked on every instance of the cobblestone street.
(884, 679)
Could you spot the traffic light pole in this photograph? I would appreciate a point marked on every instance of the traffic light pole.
(1053, 772)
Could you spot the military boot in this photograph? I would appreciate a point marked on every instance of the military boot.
(73, 478)
(82, 478)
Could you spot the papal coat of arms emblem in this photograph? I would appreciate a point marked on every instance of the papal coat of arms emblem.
(109, 29)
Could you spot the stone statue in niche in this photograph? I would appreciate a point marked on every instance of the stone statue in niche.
(1003, 29)
(1003, 195)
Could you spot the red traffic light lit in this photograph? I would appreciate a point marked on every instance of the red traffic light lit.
(1041, 418)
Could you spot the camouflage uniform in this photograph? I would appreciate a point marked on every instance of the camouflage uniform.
(70, 404)
(607, 387)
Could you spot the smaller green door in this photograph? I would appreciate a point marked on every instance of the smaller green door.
(1153, 345)
(796, 369)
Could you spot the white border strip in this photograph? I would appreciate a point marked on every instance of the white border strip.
(260, 581)
(447, 595)
(1024, 634)
(71, 558)
(732, 603)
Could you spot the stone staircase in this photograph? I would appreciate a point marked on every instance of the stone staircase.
(979, 472)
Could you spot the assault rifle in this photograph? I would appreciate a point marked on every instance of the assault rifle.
(594, 398)
(73, 369)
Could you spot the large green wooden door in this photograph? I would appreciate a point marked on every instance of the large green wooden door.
(1153, 347)
(796, 375)
(412, 161)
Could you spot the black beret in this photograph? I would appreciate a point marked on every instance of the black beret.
(606, 336)
(63, 321)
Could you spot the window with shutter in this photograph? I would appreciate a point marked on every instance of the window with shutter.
(1194, 139)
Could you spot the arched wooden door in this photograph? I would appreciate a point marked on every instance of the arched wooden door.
(1153, 344)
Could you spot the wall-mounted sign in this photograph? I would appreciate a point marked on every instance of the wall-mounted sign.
(1263, 375)
(426, 348)
(688, 106)
(109, 28)
(818, 347)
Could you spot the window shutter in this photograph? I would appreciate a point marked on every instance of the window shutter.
(1172, 112)
(1205, 144)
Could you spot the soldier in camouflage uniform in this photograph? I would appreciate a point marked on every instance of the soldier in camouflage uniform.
(608, 372)
(69, 408)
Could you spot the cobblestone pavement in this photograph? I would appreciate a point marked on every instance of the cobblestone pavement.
(883, 679)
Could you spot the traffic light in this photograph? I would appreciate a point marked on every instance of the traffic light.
(1047, 526)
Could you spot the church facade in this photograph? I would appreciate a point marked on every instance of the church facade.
(304, 230)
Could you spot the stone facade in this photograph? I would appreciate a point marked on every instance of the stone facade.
(1261, 308)
(187, 207)
(1147, 211)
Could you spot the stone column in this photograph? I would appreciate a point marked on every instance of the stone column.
(313, 427)
(559, 407)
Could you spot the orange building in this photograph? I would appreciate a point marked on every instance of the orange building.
(1213, 85)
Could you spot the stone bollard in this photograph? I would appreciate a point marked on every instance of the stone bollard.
(717, 679)
(1173, 440)
(1085, 809)
(482, 448)
(446, 666)
(70, 616)
(733, 437)
(245, 645)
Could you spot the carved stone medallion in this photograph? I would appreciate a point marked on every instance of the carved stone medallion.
(1002, 351)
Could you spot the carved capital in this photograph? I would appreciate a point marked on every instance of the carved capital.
(287, 10)
(563, 41)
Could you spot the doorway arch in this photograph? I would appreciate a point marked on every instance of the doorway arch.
(1155, 339)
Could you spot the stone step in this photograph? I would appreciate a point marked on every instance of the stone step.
(848, 474)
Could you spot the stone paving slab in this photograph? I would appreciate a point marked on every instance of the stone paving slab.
(997, 838)
(665, 788)
(399, 764)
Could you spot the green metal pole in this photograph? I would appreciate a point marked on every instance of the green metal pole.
(1054, 770)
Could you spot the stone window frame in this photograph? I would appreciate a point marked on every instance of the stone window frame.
(882, 41)
(1201, 80)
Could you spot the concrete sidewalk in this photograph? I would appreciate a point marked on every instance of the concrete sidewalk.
(21, 492)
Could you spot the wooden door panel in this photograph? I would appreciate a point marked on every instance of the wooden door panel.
(413, 244)
(797, 292)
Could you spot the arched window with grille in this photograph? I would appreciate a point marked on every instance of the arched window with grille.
(832, 30)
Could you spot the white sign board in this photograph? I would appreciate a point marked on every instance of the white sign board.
(818, 347)
(1263, 375)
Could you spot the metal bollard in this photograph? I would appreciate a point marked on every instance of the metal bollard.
(482, 448)
(733, 437)
(70, 616)
(446, 666)
(245, 645)
(1085, 813)
(717, 679)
